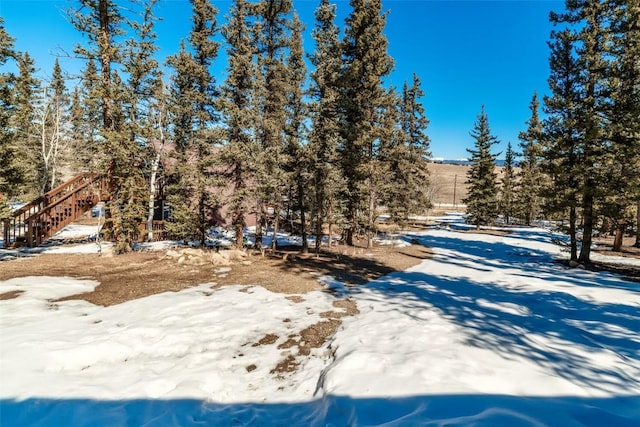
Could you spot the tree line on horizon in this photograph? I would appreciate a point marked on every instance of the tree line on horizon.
(333, 144)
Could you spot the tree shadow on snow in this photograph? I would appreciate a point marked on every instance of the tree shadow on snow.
(428, 410)
(533, 262)
(551, 328)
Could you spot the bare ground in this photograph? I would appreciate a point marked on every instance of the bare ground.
(139, 274)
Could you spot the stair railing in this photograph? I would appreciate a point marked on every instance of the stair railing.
(40, 219)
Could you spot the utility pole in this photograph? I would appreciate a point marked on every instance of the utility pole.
(455, 185)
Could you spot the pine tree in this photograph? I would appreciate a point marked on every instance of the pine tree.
(622, 173)
(323, 138)
(392, 160)
(11, 170)
(179, 186)
(239, 115)
(415, 174)
(144, 85)
(143, 71)
(86, 122)
(482, 198)
(362, 99)
(103, 24)
(272, 39)
(26, 90)
(588, 25)
(561, 134)
(192, 201)
(296, 157)
(530, 178)
(507, 196)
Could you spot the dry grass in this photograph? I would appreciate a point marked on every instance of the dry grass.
(449, 181)
(139, 274)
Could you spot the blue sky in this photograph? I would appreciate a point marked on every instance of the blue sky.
(466, 53)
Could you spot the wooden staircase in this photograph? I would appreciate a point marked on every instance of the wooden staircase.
(37, 221)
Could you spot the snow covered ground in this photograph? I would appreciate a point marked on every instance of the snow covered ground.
(487, 332)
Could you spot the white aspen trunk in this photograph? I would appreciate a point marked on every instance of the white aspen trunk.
(45, 145)
(152, 187)
(152, 196)
(55, 143)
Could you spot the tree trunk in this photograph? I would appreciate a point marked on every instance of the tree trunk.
(276, 225)
(587, 228)
(152, 193)
(351, 220)
(259, 223)
(573, 241)
(202, 227)
(238, 222)
(620, 229)
(637, 244)
(318, 219)
(371, 217)
(330, 222)
(349, 236)
(303, 218)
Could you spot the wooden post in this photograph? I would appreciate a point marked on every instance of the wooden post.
(5, 233)
(455, 185)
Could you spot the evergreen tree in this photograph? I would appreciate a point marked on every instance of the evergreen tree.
(239, 115)
(296, 155)
(392, 160)
(507, 196)
(131, 107)
(11, 168)
(86, 121)
(143, 87)
(482, 198)
(414, 173)
(143, 71)
(362, 99)
(622, 172)
(588, 22)
(323, 138)
(272, 39)
(561, 134)
(192, 201)
(530, 178)
(26, 90)
(103, 24)
(179, 186)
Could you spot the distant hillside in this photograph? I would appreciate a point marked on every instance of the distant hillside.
(499, 162)
(447, 181)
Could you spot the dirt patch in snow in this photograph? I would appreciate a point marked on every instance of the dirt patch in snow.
(10, 295)
(266, 340)
(313, 336)
(140, 274)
